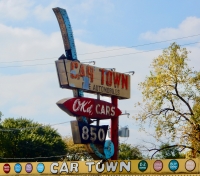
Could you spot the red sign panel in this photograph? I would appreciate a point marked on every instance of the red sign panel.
(88, 107)
(6, 168)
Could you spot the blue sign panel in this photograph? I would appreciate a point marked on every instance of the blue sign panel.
(17, 168)
(173, 165)
(92, 133)
(40, 167)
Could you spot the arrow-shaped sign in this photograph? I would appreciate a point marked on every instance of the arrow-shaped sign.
(88, 107)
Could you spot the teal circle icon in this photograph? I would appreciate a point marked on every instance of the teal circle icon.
(142, 165)
(18, 168)
(108, 149)
(173, 165)
(40, 167)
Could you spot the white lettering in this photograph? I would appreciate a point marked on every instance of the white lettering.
(89, 164)
(102, 110)
(125, 166)
(80, 106)
(113, 111)
(111, 166)
(54, 171)
(76, 106)
(97, 106)
(107, 110)
(64, 168)
(101, 168)
(73, 166)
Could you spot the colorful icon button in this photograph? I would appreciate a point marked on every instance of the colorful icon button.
(18, 168)
(28, 167)
(142, 165)
(158, 165)
(190, 165)
(6, 168)
(173, 165)
(40, 167)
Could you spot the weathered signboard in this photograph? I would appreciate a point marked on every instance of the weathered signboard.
(73, 74)
(88, 107)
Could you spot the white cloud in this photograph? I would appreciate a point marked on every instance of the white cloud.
(45, 13)
(190, 26)
(19, 44)
(17, 10)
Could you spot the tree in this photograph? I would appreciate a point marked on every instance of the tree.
(22, 138)
(171, 98)
(75, 152)
(169, 152)
(128, 152)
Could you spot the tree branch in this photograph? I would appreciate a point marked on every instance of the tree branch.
(187, 104)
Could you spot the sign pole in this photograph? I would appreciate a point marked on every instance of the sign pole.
(114, 130)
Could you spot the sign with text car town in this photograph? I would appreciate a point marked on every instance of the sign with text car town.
(127, 167)
(73, 74)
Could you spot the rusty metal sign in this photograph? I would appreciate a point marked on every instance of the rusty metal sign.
(73, 74)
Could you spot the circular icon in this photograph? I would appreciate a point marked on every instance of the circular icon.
(17, 168)
(190, 165)
(173, 165)
(108, 149)
(6, 168)
(40, 167)
(28, 167)
(142, 165)
(158, 165)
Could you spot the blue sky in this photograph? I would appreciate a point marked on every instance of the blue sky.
(29, 31)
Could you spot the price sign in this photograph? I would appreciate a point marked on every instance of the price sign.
(92, 133)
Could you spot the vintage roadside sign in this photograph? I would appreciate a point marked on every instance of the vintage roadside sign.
(114, 167)
(73, 74)
(88, 107)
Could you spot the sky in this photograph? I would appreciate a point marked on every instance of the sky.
(125, 35)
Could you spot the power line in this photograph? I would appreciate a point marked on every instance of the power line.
(141, 44)
(101, 57)
(107, 50)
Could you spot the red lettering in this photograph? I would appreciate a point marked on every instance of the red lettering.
(109, 78)
(82, 71)
(73, 66)
(102, 75)
(90, 72)
(124, 81)
(116, 78)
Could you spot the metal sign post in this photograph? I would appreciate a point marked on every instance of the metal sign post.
(114, 130)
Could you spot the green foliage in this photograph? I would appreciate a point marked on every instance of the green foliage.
(128, 152)
(75, 152)
(33, 140)
(171, 98)
(167, 152)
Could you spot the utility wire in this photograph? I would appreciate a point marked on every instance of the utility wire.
(102, 57)
(110, 49)
(141, 44)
